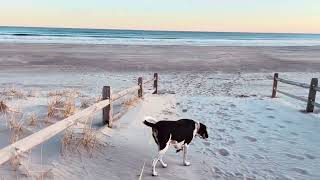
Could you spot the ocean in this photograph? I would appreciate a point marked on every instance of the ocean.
(143, 37)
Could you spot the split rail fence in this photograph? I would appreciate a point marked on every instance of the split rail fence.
(105, 104)
(313, 89)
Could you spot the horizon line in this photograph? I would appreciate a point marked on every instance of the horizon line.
(125, 29)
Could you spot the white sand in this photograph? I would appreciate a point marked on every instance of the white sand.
(254, 137)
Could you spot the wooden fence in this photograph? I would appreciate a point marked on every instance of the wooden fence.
(313, 88)
(105, 104)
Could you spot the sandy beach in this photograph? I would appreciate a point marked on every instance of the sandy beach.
(251, 135)
(99, 58)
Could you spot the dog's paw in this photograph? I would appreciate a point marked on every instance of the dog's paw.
(154, 174)
(186, 163)
(164, 165)
(178, 150)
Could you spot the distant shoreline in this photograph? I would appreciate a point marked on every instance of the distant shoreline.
(87, 28)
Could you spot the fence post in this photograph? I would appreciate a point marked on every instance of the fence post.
(140, 89)
(312, 95)
(275, 85)
(107, 111)
(155, 83)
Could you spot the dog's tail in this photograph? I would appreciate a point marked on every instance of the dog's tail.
(150, 121)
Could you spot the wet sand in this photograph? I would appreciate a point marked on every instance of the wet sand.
(97, 58)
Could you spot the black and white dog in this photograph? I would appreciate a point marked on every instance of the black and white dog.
(177, 133)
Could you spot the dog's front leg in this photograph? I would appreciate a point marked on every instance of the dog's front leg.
(185, 151)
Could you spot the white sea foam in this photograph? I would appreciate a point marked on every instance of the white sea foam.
(139, 41)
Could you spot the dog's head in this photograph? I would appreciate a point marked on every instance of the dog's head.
(202, 132)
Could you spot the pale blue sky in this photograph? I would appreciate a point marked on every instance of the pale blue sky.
(202, 15)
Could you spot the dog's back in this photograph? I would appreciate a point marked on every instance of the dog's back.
(181, 130)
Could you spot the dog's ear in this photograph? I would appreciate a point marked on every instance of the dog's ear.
(203, 131)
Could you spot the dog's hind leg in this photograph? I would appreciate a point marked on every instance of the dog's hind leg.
(162, 163)
(185, 151)
(163, 147)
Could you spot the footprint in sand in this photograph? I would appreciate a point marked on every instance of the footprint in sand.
(263, 150)
(310, 156)
(251, 121)
(206, 143)
(262, 131)
(221, 130)
(288, 122)
(251, 139)
(239, 129)
(300, 171)
(263, 126)
(238, 121)
(230, 142)
(292, 142)
(270, 117)
(295, 157)
(223, 152)
(210, 151)
(293, 133)
(281, 126)
(269, 109)
(258, 156)
(242, 156)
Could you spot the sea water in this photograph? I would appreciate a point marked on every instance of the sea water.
(143, 37)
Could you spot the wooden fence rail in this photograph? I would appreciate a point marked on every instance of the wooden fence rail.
(313, 88)
(43, 135)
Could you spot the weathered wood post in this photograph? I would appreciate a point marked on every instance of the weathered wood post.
(155, 83)
(107, 111)
(140, 90)
(275, 85)
(312, 95)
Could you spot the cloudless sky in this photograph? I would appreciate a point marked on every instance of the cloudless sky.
(187, 15)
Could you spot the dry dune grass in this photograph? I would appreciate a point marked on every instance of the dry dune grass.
(88, 139)
(85, 102)
(33, 120)
(64, 103)
(69, 107)
(3, 107)
(83, 136)
(16, 127)
(55, 93)
(14, 93)
(65, 92)
(130, 102)
(33, 93)
(98, 98)
(67, 140)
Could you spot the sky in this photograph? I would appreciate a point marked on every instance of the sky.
(302, 16)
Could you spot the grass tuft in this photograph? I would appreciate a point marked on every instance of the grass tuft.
(33, 119)
(3, 107)
(85, 102)
(15, 127)
(69, 107)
